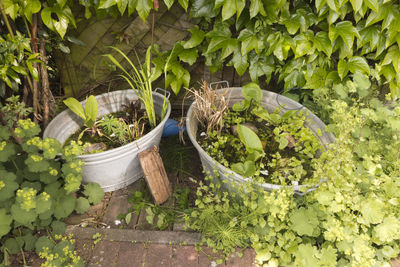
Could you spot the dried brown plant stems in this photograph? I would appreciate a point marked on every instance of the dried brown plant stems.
(210, 107)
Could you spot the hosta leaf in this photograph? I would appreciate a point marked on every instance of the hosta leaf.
(5, 222)
(75, 107)
(94, 193)
(82, 205)
(196, 38)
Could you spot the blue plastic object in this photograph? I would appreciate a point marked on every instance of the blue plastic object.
(171, 128)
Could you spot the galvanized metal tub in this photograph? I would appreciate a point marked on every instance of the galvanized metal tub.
(270, 101)
(115, 168)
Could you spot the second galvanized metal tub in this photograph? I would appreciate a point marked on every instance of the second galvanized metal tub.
(270, 101)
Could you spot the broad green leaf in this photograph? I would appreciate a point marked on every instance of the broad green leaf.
(64, 206)
(7, 150)
(256, 7)
(122, 4)
(82, 205)
(342, 68)
(143, 8)
(188, 55)
(246, 169)
(393, 56)
(230, 7)
(203, 8)
(12, 245)
(303, 46)
(370, 35)
(32, 7)
(357, 4)
(358, 64)
(249, 138)
(248, 40)
(58, 227)
(94, 193)
(347, 31)
(46, 17)
(372, 211)
(11, 8)
(132, 6)
(75, 107)
(90, 110)
(322, 43)
(43, 203)
(317, 79)
(196, 38)
(304, 221)
(240, 62)
(259, 67)
(306, 256)
(252, 91)
(294, 79)
(107, 3)
(43, 242)
(372, 4)
(184, 4)
(5, 222)
(29, 241)
(22, 216)
(388, 230)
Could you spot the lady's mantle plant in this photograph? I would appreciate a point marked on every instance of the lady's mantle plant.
(38, 182)
(351, 220)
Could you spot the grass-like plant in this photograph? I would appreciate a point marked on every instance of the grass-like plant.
(140, 80)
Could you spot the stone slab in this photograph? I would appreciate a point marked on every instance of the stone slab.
(131, 254)
(128, 235)
(105, 254)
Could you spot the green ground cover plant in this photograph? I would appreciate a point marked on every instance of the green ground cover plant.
(40, 185)
(352, 219)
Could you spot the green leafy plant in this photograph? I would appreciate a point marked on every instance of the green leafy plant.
(89, 115)
(38, 183)
(140, 79)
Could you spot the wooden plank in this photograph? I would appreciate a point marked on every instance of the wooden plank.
(155, 175)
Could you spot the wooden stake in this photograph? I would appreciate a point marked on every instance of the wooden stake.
(155, 174)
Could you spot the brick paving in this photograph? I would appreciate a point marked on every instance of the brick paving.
(128, 254)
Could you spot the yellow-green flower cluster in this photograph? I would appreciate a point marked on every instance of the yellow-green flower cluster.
(2, 185)
(36, 158)
(27, 198)
(53, 172)
(36, 141)
(2, 145)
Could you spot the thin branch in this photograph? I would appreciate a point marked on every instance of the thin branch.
(6, 20)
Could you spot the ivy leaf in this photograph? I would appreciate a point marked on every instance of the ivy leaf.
(122, 4)
(372, 4)
(230, 7)
(196, 38)
(184, 4)
(357, 4)
(316, 79)
(5, 222)
(294, 79)
(304, 222)
(188, 55)
(370, 35)
(239, 61)
(143, 8)
(256, 7)
(249, 41)
(358, 64)
(342, 68)
(82, 205)
(303, 46)
(393, 56)
(346, 31)
(94, 193)
(103, 4)
(203, 8)
(259, 66)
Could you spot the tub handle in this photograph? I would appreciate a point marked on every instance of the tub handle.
(163, 92)
(217, 83)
